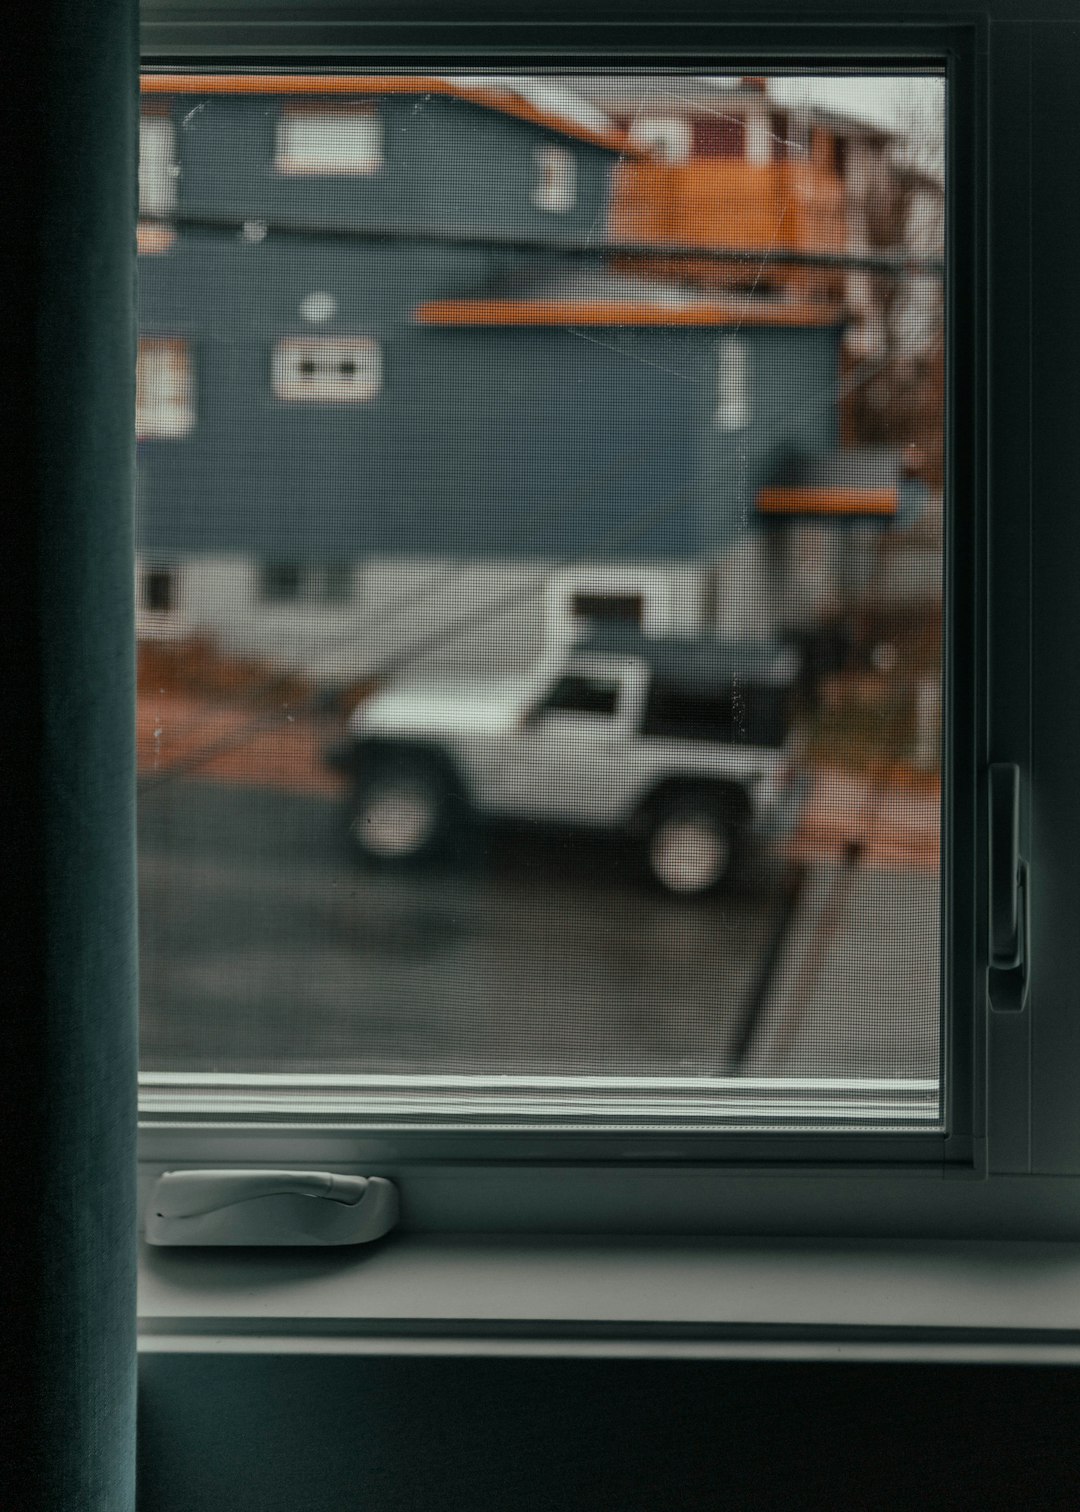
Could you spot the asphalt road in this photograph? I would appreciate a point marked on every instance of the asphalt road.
(265, 948)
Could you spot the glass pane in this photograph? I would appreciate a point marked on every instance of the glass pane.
(464, 401)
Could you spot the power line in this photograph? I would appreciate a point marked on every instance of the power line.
(897, 264)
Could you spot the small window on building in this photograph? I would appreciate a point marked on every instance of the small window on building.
(666, 137)
(164, 401)
(336, 583)
(576, 694)
(778, 131)
(284, 582)
(732, 387)
(327, 370)
(341, 140)
(159, 590)
(555, 187)
(758, 138)
(280, 582)
(720, 136)
(158, 172)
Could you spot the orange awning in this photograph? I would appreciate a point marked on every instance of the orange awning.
(599, 312)
(827, 499)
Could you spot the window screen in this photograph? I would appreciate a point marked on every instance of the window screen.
(373, 883)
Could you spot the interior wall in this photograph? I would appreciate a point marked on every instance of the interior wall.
(261, 1433)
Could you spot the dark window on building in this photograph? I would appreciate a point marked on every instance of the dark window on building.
(778, 126)
(159, 590)
(336, 582)
(720, 136)
(577, 694)
(609, 608)
(281, 581)
(295, 582)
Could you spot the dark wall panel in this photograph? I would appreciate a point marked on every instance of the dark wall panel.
(225, 1435)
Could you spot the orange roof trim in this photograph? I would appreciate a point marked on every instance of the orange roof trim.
(600, 312)
(826, 499)
(491, 97)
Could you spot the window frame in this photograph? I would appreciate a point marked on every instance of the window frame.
(975, 1176)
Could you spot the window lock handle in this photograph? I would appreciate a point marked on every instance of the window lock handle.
(264, 1207)
(1010, 890)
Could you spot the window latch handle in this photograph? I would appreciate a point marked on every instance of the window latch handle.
(253, 1207)
(1009, 892)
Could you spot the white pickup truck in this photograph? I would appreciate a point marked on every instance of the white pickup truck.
(688, 746)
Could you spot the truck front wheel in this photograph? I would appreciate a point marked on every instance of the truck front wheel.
(690, 846)
(400, 812)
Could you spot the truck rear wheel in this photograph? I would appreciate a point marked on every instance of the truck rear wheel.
(690, 847)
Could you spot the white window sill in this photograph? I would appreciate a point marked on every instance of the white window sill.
(991, 1301)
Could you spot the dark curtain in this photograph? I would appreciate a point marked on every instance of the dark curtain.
(68, 155)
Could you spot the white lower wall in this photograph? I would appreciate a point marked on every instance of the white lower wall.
(499, 617)
(439, 614)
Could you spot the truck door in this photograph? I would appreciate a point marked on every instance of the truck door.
(570, 759)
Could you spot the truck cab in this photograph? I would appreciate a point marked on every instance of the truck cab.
(686, 745)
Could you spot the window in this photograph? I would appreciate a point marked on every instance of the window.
(555, 185)
(159, 590)
(758, 138)
(720, 136)
(732, 385)
(778, 130)
(579, 694)
(158, 170)
(468, 921)
(332, 141)
(327, 370)
(164, 402)
(669, 137)
(303, 583)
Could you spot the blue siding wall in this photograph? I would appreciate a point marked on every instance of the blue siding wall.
(793, 377)
(509, 441)
(447, 163)
(235, 291)
(486, 442)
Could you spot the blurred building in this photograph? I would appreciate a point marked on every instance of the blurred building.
(399, 382)
(732, 169)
